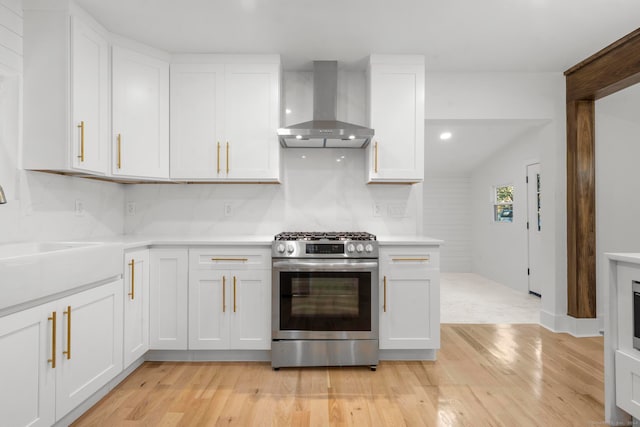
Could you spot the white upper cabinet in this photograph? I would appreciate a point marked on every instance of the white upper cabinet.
(66, 90)
(224, 118)
(396, 113)
(140, 115)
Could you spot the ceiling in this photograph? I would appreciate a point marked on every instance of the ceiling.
(453, 35)
(460, 35)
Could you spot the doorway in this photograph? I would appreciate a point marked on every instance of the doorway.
(534, 228)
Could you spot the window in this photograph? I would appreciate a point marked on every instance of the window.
(503, 204)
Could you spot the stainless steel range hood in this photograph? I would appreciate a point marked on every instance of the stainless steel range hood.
(324, 131)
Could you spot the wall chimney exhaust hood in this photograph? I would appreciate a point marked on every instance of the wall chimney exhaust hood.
(324, 131)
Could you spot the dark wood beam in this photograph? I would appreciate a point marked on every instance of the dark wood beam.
(614, 68)
(581, 251)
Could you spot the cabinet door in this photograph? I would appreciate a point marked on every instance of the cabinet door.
(197, 104)
(27, 378)
(168, 300)
(136, 305)
(252, 108)
(396, 153)
(90, 344)
(140, 115)
(209, 309)
(409, 298)
(90, 102)
(251, 310)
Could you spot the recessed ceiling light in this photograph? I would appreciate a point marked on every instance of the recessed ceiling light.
(352, 137)
(298, 136)
(287, 111)
(445, 136)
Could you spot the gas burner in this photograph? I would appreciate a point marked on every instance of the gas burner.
(330, 235)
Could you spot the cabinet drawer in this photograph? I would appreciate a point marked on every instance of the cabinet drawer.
(410, 258)
(628, 383)
(229, 258)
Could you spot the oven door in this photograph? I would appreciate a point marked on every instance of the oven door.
(325, 299)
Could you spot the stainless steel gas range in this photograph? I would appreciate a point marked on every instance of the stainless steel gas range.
(325, 300)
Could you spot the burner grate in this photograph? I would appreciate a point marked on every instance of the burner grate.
(328, 235)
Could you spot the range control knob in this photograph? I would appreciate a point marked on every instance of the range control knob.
(290, 249)
(280, 248)
(351, 247)
(359, 247)
(369, 248)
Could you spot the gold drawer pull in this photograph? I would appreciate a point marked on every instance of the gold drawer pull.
(227, 157)
(384, 306)
(119, 151)
(230, 259)
(218, 157)
(132, 264)
(411, 259)
(81, 127)
(376, 157)
(224, 294)
(234, 294)
(53, 340)
(68, 351)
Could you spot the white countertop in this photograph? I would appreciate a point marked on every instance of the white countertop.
(626, 257)
(138, 241)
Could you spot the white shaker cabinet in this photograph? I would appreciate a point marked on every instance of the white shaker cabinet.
(396, 113)
(224, 118)
(140, 96)
(136, 305)
(58, 354)
(168, 300)
(66, 90)
(229, 299)
(27, 376)
(90, 338)
(409, 297)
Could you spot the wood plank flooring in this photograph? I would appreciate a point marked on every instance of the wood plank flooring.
(485, 375)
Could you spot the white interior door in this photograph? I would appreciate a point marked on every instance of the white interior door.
(534, 231)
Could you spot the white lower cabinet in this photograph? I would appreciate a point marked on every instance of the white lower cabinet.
(229, 299)
(409, 297)
(27, 379)
(58, 354)
(168, 280)
(136, 305)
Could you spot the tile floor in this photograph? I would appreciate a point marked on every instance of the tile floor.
(470, 298)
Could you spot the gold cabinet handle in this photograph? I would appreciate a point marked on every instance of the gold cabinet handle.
(68, 351)
(384, 304)
(81, 127)
(132, 264)
(410, 259)
(53, 340)
(224, 294)
(227, 157)
(230, 259)
(119, 151)
(234, 294)
(218, 157)
(375, 157)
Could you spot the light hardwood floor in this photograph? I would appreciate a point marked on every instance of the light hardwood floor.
(485, 375)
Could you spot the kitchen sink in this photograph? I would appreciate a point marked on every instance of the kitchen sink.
(34, 272)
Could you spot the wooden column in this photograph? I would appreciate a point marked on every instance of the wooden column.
(614, 68)
(581, 202)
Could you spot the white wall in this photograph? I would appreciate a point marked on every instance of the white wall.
(322, 189)
(617, 182)
(499, 249)
(447, 215)
(41, 206)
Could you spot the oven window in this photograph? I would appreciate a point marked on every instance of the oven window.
(325, 301)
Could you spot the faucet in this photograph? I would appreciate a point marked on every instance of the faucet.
(3, 198)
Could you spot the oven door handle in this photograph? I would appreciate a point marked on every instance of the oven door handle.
(297, 265)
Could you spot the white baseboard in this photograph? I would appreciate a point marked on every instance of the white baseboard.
(572, 325)
(407, 355)
(209, 355)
